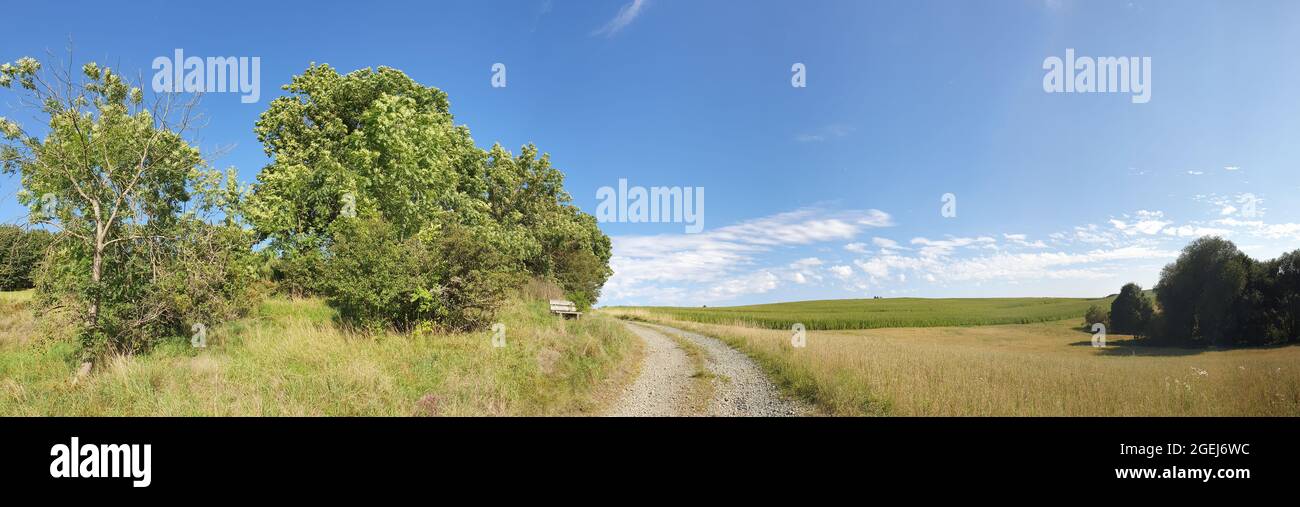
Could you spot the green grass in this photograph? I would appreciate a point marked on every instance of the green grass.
(21, 296)
(840, 314)
(292, 358)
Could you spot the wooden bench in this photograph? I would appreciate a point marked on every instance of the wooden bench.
(565, 308)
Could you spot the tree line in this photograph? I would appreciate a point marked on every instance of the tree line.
(1212, 295)
(374, 199)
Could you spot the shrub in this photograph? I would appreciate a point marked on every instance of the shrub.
(21, 251)
(448, 277)
(199, 274)
(1131, 311)
(1095, 315)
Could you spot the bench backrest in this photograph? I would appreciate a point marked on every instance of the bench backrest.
(560, 305)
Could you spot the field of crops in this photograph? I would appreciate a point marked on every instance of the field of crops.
(880, 313)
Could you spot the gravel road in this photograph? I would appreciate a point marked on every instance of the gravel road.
(664, 385)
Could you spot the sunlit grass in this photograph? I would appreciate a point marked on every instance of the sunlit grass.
(292, 358)
(1041, 369)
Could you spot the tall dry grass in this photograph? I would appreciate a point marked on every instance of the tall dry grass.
(1044, 369)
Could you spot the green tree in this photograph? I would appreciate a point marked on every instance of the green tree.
(1095, 315)
(377, 148)
(114, 177)
(370, 143)
(1131, 311)
(1269, 309)
(1199, 291)
(526, 193)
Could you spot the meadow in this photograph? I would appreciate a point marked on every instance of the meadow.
(1037, 369)
(880, 313)
(293, 359)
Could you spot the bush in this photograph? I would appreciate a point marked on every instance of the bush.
(1095, 315)
(21, 251)
(298, 273)
(151, 290)
(1131, 311)
(448, 277)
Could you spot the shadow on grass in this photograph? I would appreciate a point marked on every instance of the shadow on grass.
(1130, 346)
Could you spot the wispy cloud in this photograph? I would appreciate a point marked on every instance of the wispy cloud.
(722, 263)
(819, 253)
(626, 16)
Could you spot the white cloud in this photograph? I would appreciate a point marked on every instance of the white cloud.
(888, 244)
(644, 265)
(756, 283)
(625, 16)
(1023, 240)
(1006, 267)
(860, 248)
(1263, 229)
(1148, 222)
(842, 271)
(941, 247)
(1192, 231)
(806, 262)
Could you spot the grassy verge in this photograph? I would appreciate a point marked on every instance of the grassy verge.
(1041, 369)
(292, 359)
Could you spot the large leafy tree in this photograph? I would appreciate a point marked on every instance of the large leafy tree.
(527, 193)
(1130, 311)
(370, 143)
(1199, 291)
(376, 146)
(114, 177)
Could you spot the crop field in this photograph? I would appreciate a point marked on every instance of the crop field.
(837, 314)
(1039, 369)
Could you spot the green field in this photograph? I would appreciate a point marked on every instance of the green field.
(838, 314)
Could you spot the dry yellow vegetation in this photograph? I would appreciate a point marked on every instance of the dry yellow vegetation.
(1042, 369)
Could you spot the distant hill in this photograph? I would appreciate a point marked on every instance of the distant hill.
(892, 312)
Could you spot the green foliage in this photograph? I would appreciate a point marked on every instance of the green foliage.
(451, 221)
(21, 252)
(1199, 291)
(891, 312)
(125, 189)
(1131, 311)
(1215, 295)
(369, 143)
(1269, 308)
(450, 278)
(1095, 315)
(526, 193)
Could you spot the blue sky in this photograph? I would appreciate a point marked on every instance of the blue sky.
(827, 191)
